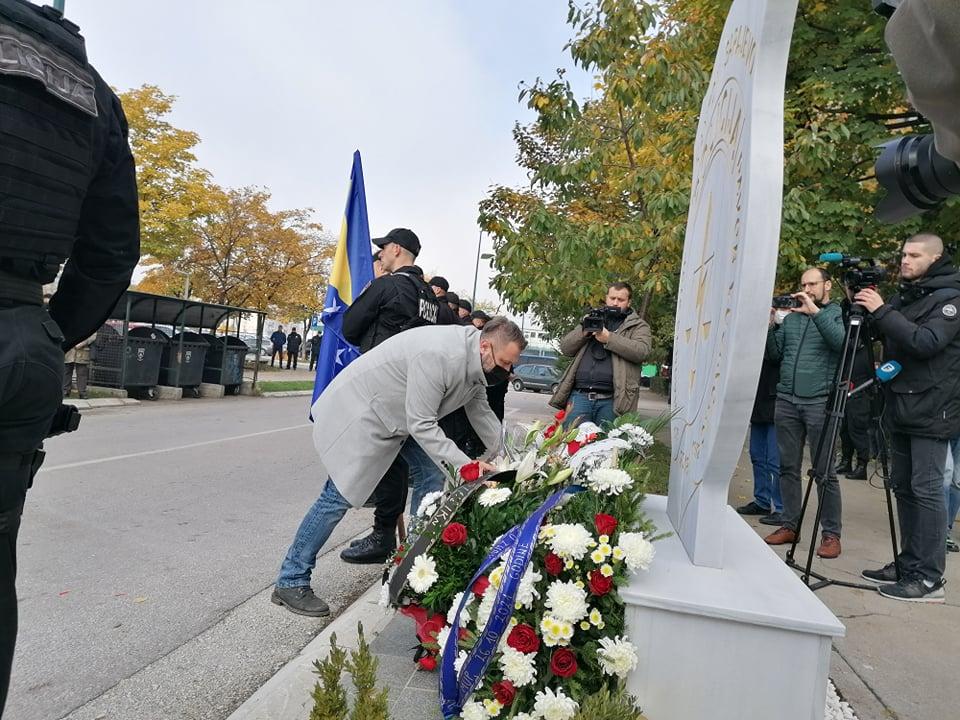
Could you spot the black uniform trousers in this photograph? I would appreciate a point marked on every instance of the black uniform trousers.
(856, 432)
(31, 388)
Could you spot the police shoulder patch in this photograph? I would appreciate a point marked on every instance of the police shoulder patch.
(949, 310)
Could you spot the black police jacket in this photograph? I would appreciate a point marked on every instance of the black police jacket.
(294, 341)
(921, 331)
(67, 175)
(391, 304)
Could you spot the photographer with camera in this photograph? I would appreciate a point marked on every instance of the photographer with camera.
(920, 328)
(603, 381)
(807, 343)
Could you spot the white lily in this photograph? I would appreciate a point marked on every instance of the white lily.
(527, 467)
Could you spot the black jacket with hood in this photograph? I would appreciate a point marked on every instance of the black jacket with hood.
(921, 330)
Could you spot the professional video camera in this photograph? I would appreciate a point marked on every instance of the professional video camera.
(856, 273)
(599, 318)
(916, 177)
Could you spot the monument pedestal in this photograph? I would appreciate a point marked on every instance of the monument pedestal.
(748, 641)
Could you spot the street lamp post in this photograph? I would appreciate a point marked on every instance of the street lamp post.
(476, 270)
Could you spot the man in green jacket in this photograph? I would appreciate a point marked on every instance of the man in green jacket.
(603, 381)
(807, 344)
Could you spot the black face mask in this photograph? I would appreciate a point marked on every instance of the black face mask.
(496, 376)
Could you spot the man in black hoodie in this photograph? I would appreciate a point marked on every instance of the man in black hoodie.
(921, 330)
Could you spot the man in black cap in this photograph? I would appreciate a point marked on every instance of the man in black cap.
(464, 308)
(395, 302)
(446, 316)
(453, 302)
(68, 193)
(478, 318)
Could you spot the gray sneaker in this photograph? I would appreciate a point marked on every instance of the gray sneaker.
(914, 591)
(300, 600)
(886, 574)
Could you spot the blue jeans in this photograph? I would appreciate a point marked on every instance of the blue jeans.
(425, 476)
(765, 458)
(951, 482)
(313, 532)
(581, 408)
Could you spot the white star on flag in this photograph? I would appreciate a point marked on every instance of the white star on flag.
(340, 351)
(332, 309)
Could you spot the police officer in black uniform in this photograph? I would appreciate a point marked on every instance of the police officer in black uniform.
(395, 302)
(68, 192)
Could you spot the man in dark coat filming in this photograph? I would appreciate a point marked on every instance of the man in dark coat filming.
(921, 330)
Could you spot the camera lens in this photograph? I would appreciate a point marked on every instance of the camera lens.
(915, 176)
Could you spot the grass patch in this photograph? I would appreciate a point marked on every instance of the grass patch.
(284, 385)
(658, 463)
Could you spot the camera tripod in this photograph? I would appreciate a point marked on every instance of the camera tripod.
(824, 454)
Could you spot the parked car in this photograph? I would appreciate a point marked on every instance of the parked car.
(535, 377)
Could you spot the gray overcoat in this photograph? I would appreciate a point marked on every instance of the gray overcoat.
(400, 389)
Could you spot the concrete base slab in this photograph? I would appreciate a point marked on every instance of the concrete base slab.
(211, 390)
(107, 391)
(165, 392)
(712, 642)
(94, 403)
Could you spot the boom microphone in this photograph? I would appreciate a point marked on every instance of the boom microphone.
(831, 257)
(885, 373)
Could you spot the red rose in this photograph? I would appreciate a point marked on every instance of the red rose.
(605, 524)
(429, 631)
(454, 534)
(572, 447)
(553, 564)
(427, 662)
(590, 438)
(523, 638)
(480, 586)
(560, 416)
(548, 433)
(563, 662)
(470, 471)
(504, 692)
(600, 585)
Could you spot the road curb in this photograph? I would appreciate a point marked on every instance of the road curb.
(286, 696)
(288, 393)
(99, 403)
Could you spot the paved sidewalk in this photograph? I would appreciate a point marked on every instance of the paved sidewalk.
(96, 403)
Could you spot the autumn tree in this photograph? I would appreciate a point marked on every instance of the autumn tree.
(173, 189)
(242, 253)
(610, 177)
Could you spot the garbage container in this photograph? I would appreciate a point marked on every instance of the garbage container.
(135, 367)
(224, 361)
(189, 364)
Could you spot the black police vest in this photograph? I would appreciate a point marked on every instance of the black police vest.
(48, 115)
(428, 307)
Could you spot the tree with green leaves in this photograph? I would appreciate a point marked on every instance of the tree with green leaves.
(610, 176)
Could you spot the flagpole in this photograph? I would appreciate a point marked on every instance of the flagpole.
(476, 270)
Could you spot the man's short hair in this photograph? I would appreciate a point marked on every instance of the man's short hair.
(440, 282)
(622, 286)
(499, 329)
(930, 241)
(824, 273)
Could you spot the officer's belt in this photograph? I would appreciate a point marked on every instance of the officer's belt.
(20, 290)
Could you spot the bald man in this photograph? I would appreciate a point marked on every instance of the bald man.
(921, 330)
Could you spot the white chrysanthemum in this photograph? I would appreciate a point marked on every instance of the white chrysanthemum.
(442, 638)
(494, 496)
(474, 711)
(567, 601)
(429, 504)
(464, 616)
(496, 575)
(611, 481)
(461, 659)
(486, 607)
(493, 707)
(595, 617)
(551, 705)
(555, 632)
(617, 656)
(570, 540)
(637, 550)
(606, 570)
(598, 557)
(384, 599)
(423, 574)
(586, 429)
(523, 716)
(518, 667)
(527, 591)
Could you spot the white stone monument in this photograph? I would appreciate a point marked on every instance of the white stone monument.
(724, 629)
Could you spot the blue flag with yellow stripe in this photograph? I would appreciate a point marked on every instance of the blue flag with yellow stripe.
(352, 272)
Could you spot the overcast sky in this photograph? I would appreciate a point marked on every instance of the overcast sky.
(281, 94)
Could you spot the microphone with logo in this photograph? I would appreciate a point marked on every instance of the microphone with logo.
(885, 373)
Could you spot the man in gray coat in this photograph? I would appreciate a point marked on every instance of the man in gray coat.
(397, 390)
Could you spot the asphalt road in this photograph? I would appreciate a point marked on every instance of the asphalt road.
(149, 546)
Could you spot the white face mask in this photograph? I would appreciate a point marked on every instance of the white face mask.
(780, 315)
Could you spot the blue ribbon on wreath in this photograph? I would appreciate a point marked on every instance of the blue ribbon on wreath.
(520, 540)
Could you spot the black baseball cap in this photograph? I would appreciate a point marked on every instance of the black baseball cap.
(453, 298)
(479, 315)
(465, 304)
(401, 236)
(440, 282)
